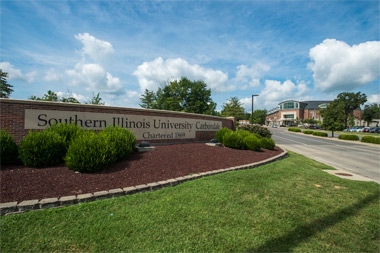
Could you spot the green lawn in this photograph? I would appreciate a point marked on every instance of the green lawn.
(289, 205)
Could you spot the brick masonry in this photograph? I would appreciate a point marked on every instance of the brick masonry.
(12, 116)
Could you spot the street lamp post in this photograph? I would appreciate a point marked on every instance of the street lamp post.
(252, 108)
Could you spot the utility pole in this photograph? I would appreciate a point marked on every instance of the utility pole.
(252, 108)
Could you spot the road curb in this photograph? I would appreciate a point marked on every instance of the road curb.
(29, 205)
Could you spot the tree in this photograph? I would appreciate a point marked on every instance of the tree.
(49, 96)
(5, 88)
(233, 108)
(333, 116)
(95, 100)
(259, 116)
(183, 95)
(351, 101)
(371, 112)
(69, 100)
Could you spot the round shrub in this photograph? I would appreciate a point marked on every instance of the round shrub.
(351, 137)
(90, 152)
(233, 140)
(262, 131)
(308, 132)
(322, 134)
(41, 149)
(122, 140)
(8, 148)
(221, 132)
(267, 143)
(243, 133)
(370, 139)
(67, 131)
(293, 129)
(251, 142)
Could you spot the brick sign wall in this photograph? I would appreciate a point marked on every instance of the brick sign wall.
(18, 117)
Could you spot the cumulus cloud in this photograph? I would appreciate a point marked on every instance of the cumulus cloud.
(338, 66)
(151, 74)
(250, 76)
(16, 74)
(275, 92)
(98, 50)
(375, 98)
(78, 97)
(52, 75)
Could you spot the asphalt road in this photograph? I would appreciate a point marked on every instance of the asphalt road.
(350, 156)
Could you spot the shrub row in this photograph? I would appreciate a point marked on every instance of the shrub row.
(308, 132)
(243, 139)
(293, 129)
(351, 137)
(262, 131)
(322, 134)
(370, 139)
(84, 151)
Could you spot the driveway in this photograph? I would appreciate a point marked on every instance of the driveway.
(355, 157)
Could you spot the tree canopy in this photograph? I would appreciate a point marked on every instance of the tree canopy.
(5, 87)
(233, 108)
(259, 117)
(52, 96)
(350, 101)
(371, 112)
(333, 116)
(96, 100)
(183, 95)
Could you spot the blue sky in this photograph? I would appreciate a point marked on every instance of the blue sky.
(303, 50)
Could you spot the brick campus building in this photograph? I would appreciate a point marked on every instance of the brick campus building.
(289, 111)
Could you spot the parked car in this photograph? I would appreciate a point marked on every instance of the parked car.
(282, 125)
(274, 126)
(360, 129)
(375, 130)
(353, 129)
(346, 130)
(317, 127)
(366, 129)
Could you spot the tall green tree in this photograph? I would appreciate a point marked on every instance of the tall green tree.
(371, 112)
(49, 96)
(333, 116)
(183, 95)
(5, 87)
(259, 117)
(96, 100)
(233, 108)
(350, 101)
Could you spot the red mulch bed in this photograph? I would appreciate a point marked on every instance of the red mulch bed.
(20, 183)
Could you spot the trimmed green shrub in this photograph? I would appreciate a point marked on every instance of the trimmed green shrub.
(67, 131)
(122, 139)
(243, 133)
(90, 152)
(322, 134)
(351, 137)
(41, 149)
(233, 140)
(293, 129)
(267, 143)
(221, 132)
(262, 131)
(370, 139)
(251, 142)
(8, 148)
(308, 132)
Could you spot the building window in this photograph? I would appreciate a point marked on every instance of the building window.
(296, 105)
(289, 116)
(289, 105)
(281, 107)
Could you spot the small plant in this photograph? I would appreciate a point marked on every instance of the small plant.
(233, 140)
(351, 137)
(123, 141)
(67, 131)
(322, 134)
(370, 139)
(8, 148)
(251, 142)
(262, 131)
(90, 152)
(41, 149)
(293, 129)
(308, 132)
(267, 143)
(221, 132)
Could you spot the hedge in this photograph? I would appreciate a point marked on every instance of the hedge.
(370, 139)
(351, 137)
(293, 129)
(322, 134)
(308, 132)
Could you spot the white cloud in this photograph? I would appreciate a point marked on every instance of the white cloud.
(52, 75)
(340, 67)
(16, 74)
(78, 97)
(276, 92)
(98, 50)
(250, 77)
(151, 74)
(375, 98)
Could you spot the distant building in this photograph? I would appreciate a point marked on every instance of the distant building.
(289, 111)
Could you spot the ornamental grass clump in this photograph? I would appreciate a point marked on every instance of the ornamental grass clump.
(308, 132)
(267, 143)
(351, 137)
(370, 139)
(42, 149)
(122, 140)
(8, 148)
(90, 152)
(221, 132)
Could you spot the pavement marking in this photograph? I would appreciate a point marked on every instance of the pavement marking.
(291, 140)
